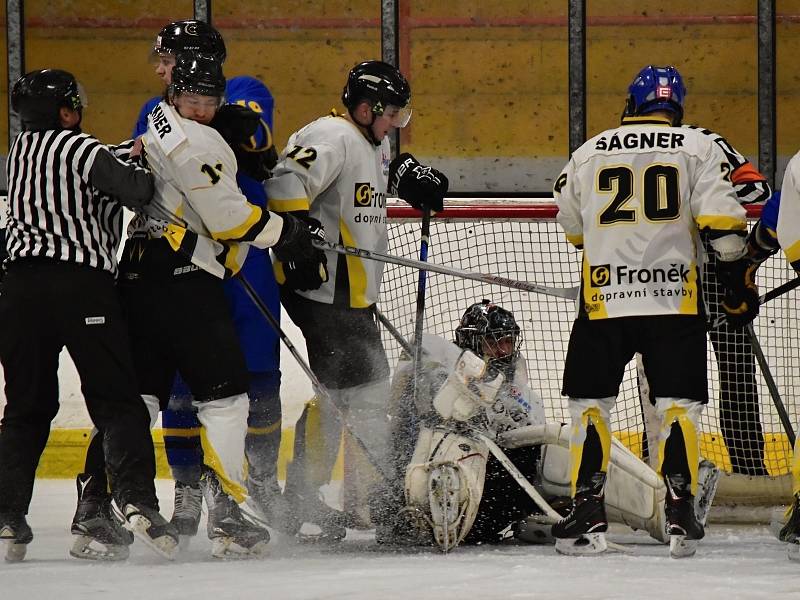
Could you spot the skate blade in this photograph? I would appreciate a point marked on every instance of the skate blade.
(88, 548)
(680, 547)
(226, 548)
(585, 545)
(165, 546)
(15, 552)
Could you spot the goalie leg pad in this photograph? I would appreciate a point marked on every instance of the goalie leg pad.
(585, 411)
(445, 482)
(684, 413)
(224, 428)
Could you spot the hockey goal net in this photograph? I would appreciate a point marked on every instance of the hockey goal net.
(740, 428)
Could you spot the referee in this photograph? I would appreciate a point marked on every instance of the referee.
(65, 198)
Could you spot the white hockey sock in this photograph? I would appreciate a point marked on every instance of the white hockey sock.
(222, 433)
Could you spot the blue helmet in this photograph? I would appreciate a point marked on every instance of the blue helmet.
(656, 88)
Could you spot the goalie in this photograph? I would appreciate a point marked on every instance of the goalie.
(475, 427)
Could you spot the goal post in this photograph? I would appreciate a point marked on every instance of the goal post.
(741, 430)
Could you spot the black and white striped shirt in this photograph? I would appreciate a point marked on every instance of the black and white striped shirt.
(66, 191)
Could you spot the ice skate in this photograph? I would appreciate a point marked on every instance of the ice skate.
(271, 504)
(14, 529)
(707, 479)
(187, 512)
(684, 530)
(147, 524)
(98, 533)
(232, 533)
(582, 531)
(310, 508)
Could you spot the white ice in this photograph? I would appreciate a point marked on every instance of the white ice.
(732, 562)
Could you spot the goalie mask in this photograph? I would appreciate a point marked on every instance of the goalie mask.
(491, 332)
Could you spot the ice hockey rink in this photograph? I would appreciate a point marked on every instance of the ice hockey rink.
(732, 562)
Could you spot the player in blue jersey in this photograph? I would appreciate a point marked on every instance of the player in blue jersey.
(245, 122)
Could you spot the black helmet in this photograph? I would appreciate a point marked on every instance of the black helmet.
(198, 73)
(378, 82)
(487, 321)
(38, 96)
(190, 35)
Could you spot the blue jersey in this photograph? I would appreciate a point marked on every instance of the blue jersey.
(260, 343)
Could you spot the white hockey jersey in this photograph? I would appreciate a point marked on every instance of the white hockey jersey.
(332, 170)
(789, 213)
(197, 204)
(635, 199)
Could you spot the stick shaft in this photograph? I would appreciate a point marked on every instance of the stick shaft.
(565, 293)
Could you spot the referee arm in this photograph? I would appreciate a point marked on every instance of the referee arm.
(130, 184)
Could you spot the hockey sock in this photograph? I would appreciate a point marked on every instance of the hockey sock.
(796, 469)
(679, 446)
(317, 440)
(590, 438)
(222, 432)
(182, 443)
(263, 440)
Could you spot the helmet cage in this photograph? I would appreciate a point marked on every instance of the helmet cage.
(484, 325)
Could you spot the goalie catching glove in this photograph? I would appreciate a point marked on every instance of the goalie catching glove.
(304, 266)
(740, 301)
(422, 187)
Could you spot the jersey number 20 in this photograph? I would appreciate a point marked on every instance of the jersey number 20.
(661, 197)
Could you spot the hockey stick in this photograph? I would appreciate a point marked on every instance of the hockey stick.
(783, 288)
(420, 316)
(533, 493)
(407, 348)
(565, 293)
(770, 381)
(320, 389)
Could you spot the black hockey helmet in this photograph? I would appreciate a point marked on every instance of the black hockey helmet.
(38, 96)
(380, 83)
(190, 35)
(197, 73)
(486, 321)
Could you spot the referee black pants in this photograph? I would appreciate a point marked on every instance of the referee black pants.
(46, 305)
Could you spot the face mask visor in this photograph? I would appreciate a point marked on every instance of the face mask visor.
(398, 117)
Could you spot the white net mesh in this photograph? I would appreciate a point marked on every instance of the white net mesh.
(741, 430)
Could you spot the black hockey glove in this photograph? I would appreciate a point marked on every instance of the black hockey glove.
(740, 301)
(255, 163)
(235, 123)
(305, 267)
(422, 187)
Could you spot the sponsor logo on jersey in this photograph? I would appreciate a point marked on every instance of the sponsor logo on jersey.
(603, 275)
(600, 275)
(365, 196)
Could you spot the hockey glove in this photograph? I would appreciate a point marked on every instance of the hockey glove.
(255, 163)
(235, 123)
(740, 301)
(422, 187)
(304, 266)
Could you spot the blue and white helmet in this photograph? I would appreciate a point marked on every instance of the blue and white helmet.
(656, 88)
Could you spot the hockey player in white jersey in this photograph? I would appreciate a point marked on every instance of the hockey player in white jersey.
(635, 199)
(195, 233)
(453, 488)
(334, 172)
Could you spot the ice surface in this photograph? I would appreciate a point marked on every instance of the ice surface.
(732, 562)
